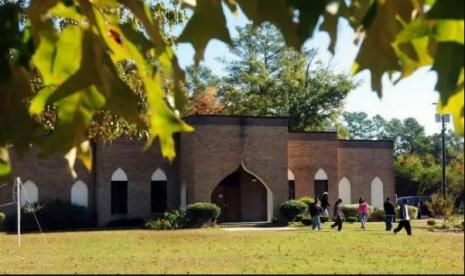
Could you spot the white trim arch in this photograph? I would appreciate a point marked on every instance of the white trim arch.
(29, 193)
(321, 175)
(80, 194)
(119, 175)
(345, 190)
(377, 193)
(290, 175)
(159, 175)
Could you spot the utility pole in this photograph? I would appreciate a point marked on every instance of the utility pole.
(18, 208)
(443, 156)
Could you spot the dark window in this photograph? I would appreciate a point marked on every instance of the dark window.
(159, 196)
(321, 186)
(291, 189)
(119, 197)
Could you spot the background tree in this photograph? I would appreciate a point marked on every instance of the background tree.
(268, 79)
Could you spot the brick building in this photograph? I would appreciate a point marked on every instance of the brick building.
(246, 165)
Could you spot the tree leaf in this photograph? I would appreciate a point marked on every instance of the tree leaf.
(376, 53)
(261, 11)
(208, 22)
(329, 25)
(448, 63)
(5, 167)
(455, 105)
(16, 125)
(414, 46)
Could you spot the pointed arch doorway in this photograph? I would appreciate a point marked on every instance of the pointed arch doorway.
(243, 197)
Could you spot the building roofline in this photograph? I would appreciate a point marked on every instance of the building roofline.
(378, 144)
(237, 120)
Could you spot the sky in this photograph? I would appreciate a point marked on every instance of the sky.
(411, 97)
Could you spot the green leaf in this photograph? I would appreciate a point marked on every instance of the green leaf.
(309, 13)
(455, 105)
(329, 25)
(16, 125)
(377, 53)
(5, 167)
(207, 23)
(414, 46)
(448, 63)
(447, 9)
(261, 11)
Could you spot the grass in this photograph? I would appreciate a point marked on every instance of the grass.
(218, 251)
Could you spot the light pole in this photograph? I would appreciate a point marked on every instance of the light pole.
(443, 119)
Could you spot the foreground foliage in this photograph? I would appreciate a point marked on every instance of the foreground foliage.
(350, 251)
(75, 46)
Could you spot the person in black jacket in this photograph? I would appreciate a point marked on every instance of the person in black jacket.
(404, 219)
(338, 215)
(325, 203)
(389, 213)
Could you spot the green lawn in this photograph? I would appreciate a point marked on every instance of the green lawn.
(219, 251)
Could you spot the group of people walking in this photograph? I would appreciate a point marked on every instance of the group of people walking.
(320, 208)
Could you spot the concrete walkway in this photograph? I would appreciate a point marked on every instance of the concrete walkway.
(233, 229)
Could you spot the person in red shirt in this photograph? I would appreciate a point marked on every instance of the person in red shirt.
(363, 212)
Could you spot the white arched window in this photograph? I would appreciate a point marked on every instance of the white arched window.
(119, 192)
(321, 183)
(79, 194)
(159, 191)
(291, 184)
(377, 194)
(321, 175)
(29, 193)
(345, 191)
(119, 175)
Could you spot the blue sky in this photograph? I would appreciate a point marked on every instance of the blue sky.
(411, 97)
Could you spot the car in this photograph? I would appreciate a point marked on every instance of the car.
(414, 201)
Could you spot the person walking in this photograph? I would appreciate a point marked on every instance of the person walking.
(315, 212)
(389, 213)
(404, 219)
(338, 215)
(325, 203)
(363, 212)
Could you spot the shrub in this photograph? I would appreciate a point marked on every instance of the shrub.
(125, 223)
(2, 219)
(377, 215)
(428, 208)
(202, 214)
(351, 219)
(52, 216)
(431, 222)
(324, 219)
(292, 208)
(412, 212)
(441, 206)
(167, 221)
(306, 221)
(350, 210)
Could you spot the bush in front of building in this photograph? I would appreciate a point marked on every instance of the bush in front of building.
(292, 208)
(351, 219)
(2, 219)
(431, 222)
(126, 223)
(350, 210)
(170, 220)
(377, 215)
(306, 221)
(202, 214)
(52, 216)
